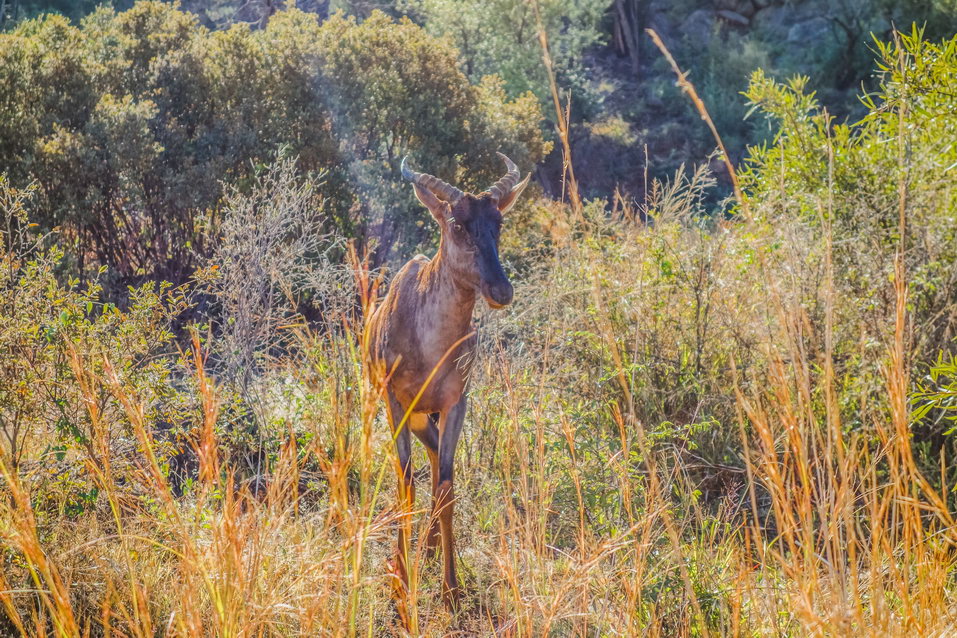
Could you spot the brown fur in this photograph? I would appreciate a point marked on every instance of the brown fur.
(424, 327)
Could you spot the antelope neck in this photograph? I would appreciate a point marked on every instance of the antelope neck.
(457, 300)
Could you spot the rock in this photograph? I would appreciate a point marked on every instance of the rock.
(699, 26)
(717, 167)
(773, 22)
(747, 8)
(744, 7)
(663, 26)
(319, 7)
(733, 18)
(654, 102)
(204, 19)
(811, 31)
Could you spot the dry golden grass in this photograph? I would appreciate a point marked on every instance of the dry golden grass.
(576, 515)
(828, 535)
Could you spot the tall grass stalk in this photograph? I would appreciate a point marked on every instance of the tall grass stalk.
(581, 509)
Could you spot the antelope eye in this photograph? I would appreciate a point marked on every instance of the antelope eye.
(457, 227)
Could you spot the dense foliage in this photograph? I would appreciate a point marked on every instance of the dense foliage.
(132, 122)
(622, 95)
(501, 38)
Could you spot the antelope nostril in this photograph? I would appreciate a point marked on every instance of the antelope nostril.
(502, 293)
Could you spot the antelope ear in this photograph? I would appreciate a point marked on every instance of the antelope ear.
(438, 208)
(508, 201)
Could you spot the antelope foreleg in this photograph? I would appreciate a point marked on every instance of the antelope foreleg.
(450, 426)
(427, 431)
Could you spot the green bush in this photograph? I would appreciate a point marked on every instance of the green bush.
(501, 38)
(905, 139)
(57, 338)
(934, 416)
(132, 123)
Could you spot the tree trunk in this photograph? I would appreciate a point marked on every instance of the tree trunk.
(630, 18)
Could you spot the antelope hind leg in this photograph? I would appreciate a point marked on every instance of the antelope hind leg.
(399, 573)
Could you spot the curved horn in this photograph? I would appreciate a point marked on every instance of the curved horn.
(438, 188)
(505, 185)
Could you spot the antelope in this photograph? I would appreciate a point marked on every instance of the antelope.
(422, 341)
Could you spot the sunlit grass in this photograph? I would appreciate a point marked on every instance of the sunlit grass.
(825, 535)
(658, 444)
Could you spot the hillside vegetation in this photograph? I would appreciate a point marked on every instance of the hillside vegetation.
(701, 416)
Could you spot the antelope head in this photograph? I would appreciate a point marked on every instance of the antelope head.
(470, 226)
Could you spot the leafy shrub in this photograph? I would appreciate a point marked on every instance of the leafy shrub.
(501, 38)
(133, 122)
(269, 265)
(58, 430)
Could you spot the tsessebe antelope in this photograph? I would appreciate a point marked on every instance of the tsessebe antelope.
(421, 342)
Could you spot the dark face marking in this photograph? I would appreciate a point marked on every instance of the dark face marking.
(474, 229)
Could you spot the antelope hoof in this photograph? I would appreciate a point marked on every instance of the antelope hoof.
(452, 596)
(432, 545)
(398, 580)
(398, 584)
